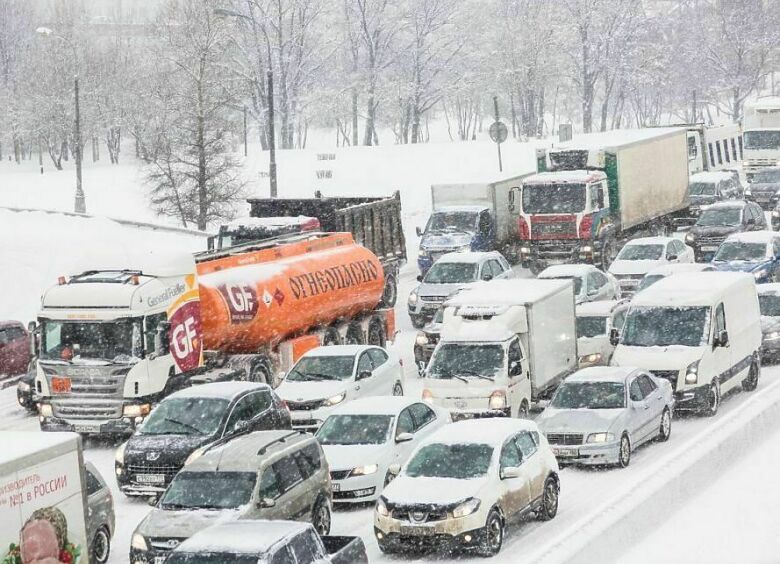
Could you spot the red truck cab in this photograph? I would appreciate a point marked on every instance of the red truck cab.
(14, 349)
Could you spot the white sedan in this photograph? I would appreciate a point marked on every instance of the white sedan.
(590, 283)
(364, 438)
(639, 256)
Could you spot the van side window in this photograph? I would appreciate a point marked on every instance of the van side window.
(720, 319)
(152, 321)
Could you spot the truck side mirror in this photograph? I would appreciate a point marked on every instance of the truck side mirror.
(162, 341)
(418, 231)
(515, 367)
(614, 337)
(722, 339)
(419, 277)
(394, 469)
(32, 326)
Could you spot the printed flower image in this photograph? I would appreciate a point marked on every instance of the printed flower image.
(43, 540)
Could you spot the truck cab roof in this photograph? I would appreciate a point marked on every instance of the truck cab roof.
(691, 289)
(508, 292)
(566, 177)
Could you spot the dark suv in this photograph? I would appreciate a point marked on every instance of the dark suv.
(188, 420)
(706, 188)
(764, 188)
(720, 220)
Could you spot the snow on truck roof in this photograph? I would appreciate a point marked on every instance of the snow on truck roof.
(764, 237)
(690, 289)
(447, 208)
(468, 256)
(21, 444)
(566, 176)
(253, 536)
(157, 262)
(219, 390)
(508, 292)
(493, 431)
(266, 222)
(616, 138)
(713, 176)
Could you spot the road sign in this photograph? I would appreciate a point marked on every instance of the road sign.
(498, 132)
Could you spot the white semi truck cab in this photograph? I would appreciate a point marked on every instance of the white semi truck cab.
(112, 342)
(761, 134)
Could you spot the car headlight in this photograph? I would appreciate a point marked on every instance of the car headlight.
(758, 274)
(139, 542)
(772, 335)
(23, 387)
(586, 249)
(427, 395)
(381, 507)
(335, 400)
(590, 358)
(366, 470)
(422, 253)
(119, 456)
(137, 410)
(45, 410)
(525, 250)
(600, 438)
(413, 297)
(692, 373)
(196, 454)
(497, 400)
(690, 238)
(466, 508)
(421, 339)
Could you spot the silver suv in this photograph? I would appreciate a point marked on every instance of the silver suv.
(263, 475)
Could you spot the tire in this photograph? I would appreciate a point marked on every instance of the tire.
(100, 549)
(522, 413)
(398, 389)
(493, 535)
(624, 453)
(389, 292)
(750, 383)
(666, 426)
(354, 335)
(549, 507)
(331, 337)
(606, 254)
(376, 335)
(713, 400)
(321, 517)
(260, 373)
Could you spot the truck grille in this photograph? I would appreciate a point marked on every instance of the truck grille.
(97, 385)
(555, 229)
(670, 375)
(564, 438)
(422, 514)
(87, 410)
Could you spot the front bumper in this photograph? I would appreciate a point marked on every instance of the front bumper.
(590, 454)
(556, 251)
(123, 426)
(424, 311)
(449, 533)
(358, 489)
(310, 420)
(148, 556)
(461, 415)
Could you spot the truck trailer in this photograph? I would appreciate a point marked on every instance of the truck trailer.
(761, 135)
(600, 189)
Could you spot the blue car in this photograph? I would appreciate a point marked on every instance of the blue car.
(756, 252)
(452, 229)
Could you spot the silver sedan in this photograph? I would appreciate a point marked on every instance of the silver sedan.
(599, 415)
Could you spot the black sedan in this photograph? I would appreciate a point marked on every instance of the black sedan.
(190, 419)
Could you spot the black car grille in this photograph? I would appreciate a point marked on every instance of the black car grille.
(564, 438)
(304, 405)
(710, 241)
(433, 338)
(670, 375)
(168, 470)
(438, 299)
(339, 474)
(165, 544)
(421, 514)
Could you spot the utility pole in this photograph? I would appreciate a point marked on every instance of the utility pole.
(80, 206)
(245, 150)
(271, 134)
(498, 143)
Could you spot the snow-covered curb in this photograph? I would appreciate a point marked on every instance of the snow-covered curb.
(634, 511)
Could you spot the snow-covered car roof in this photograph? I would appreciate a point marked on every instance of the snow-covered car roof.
(460, 208)
(566, 176)
(659, 240)
(602, 374)
(727, 204)
(244, 453)
(247, 536)
(711, 176)
(509, 292)
(768, 289)
(492, 431)
(469, 256)
(602, 308)
(379, 405)
(764, 236)
(566, 270)
(689, 288)
(220, 390)
(338, 350)
(676, 268)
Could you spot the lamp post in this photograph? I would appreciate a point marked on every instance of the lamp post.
(79, 204)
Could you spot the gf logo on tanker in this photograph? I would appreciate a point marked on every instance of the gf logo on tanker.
(241, 301)
(185, 336)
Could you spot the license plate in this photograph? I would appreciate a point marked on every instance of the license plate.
(566, 452)
(159, 560)
(86, 428)
(150, 478)
(418, 531)
(336, 487)
(60, 385)
(709, 249)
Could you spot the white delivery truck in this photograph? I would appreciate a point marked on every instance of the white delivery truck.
(504, 345)
(761, 134)
(714, 147)
(42, 498)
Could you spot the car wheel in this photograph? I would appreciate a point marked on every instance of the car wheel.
(624, 454)
(320, 517)
(666, 425)
(384, 548)
(398, 389)
(389, 292)
(522, 413)
(101, 546)
(549, 507)
(750, 383)
(713, 399)
(493, 535)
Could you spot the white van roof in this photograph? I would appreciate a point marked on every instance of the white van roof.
(691, 289)
(508, 292)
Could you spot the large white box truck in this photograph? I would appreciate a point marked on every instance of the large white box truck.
(505, 344)
(761, 134)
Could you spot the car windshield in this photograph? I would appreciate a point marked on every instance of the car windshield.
(209, 490)
(553, 198)
(465, 361)
(110, 341)
(451, 273)
(576, 279)
(355, 430)
(462, 221)
(589, 395)
(311, 368)
(591, 326)
(212, 558)
(720, 216)
(769, 304)
(664, 326)
(459, 461)
(739, 250)
(703, 189)
(185, 416)
(649, 280)
(762, 139)
(641, 252)
(767, 176)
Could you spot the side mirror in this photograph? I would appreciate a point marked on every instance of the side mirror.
(32, 326)
(511, 472)
(722, 339)
(419, 277)
(364, 374)
(671, 257)
(152, 500)
(614, 337)
(515, 367)
(593, 292)
(266, 503)
(487, 277)
(394, 468)
(240, 426)
(404, 438)
(418, 231)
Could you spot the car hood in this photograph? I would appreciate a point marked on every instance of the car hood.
(764, 187)
(447, 240)
(739, 265)
(306, 391)
(619, 267)
(345, 457)
(164, 447)
(714, 230)
(769, 324)
(672, 357)
(443, 290)
(183, 523)
(441, 491)
(702, 200)
(578, 420)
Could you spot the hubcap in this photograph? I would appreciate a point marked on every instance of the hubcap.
(100, 547)
(667, 423)
(323, 520)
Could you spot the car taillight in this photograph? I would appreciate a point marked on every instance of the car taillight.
(522, 225)
(586, 225)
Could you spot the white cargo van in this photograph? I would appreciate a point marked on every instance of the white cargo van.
(504, 344)
(700, 330)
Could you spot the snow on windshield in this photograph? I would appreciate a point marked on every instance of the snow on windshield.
(355, 430)
(553, 198)
(209, 490)
(450, 461)
(738, 250)
(664, 326)
(590, 395)
(115, 341)
(463, 360)
(720, 216)
(451, 273)
(311, 368)
(641, 252)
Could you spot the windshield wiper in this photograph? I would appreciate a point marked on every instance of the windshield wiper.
(315, 375)
(183, 424)
(472, 373)
(459, 377)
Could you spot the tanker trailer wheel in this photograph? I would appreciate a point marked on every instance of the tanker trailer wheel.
(260, 372)
(389, 292)
(331, 337)
(376, 334)
(354, 335)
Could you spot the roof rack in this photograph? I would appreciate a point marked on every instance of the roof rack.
(281, 439)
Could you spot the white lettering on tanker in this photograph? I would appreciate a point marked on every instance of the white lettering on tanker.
(184, 337)
(186, 344)
(241, 301)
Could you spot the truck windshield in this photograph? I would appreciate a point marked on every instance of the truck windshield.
(703, 189)
(109, 341)
(553, 198)
(312, 368)
(460, 462)
(590, 395)
(209, 490)
(720, 216)
(459, 360)
(769, 304)
(641, 252)
(737, 250)
(591, 326)
(767, 176)
(451, 273)
(762, 139)
(464, 221)
(355, 430)
(664, 326)
(185, 416)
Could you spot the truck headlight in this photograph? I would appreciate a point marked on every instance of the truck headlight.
(586, 249)
(45, 410)
(690, 238)
(413, 297)
(775, 213)
(139, 542)
(335, 400)
(466, 508)
(692, 373)
(497, 400)
(366, 470)
(381, 507)
(421, 339)
(525, 250)
(427, 396)
(119, 456)
(590, 358)
(196, 454)
(136, 410)
(600, 438)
